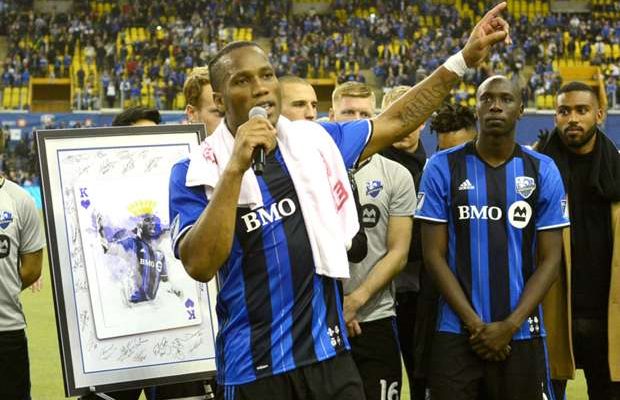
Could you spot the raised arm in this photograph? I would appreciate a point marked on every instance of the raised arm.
(412, 109)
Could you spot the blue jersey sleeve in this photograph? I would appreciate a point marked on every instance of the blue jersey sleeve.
(552, 207)
(350, 137)
(433, 194)
(186, 203)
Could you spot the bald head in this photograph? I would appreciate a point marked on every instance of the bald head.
(502, 80)
(498, 106)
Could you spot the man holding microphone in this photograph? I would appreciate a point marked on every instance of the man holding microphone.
(280, 315)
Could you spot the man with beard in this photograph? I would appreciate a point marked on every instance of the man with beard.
(582, 317)
(491, 213)
(281, 329)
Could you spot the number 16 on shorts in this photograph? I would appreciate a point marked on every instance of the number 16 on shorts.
(389, 392)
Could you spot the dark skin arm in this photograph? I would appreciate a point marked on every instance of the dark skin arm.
(496, 336)
(207, 244)
(30, 269)
(415, 106)
(435, 250)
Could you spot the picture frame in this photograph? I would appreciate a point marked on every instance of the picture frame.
(127, 313)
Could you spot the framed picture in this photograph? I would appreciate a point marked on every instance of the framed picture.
(127, 313)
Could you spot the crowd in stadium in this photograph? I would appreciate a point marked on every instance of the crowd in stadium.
(141, 52)
(331, 291)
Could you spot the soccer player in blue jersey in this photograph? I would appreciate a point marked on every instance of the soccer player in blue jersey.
(140, 245)
(281, 329)
(492, 213)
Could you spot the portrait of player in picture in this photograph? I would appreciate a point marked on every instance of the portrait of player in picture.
(143, 243)
(132, 277)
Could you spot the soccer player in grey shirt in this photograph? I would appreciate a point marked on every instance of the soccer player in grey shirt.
(21, 255)
(387, 196)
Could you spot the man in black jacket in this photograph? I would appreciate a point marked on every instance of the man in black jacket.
(590, 167)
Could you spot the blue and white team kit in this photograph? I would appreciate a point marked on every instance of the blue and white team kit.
(275, 313)
(493, 215)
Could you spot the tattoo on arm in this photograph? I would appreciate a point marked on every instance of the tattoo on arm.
(428, 99)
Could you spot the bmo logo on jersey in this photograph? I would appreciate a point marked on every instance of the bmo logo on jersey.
(519, 213)
(484, 212)
(261, 217)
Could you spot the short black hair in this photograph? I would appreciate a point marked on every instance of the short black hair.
(452, 117)
(133, 114)
(576, 86)
(216, 70)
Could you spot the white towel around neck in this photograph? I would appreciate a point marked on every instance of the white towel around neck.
(318, 174)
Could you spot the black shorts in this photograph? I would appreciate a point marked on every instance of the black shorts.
(457, 373)
(376, 353)
(333, 379)
(14, 366)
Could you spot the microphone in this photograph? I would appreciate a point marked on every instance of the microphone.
(258, 158)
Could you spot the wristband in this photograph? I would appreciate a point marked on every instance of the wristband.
(456, 63)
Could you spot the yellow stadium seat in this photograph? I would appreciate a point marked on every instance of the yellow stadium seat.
(540, 101)
(6, 98)
(179, 101)
(14, 98)
(548, 102)
(160, 34)
(23, 93)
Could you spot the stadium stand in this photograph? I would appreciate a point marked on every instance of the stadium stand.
(120, 53)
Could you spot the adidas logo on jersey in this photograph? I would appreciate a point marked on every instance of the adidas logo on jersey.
(466, 185)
